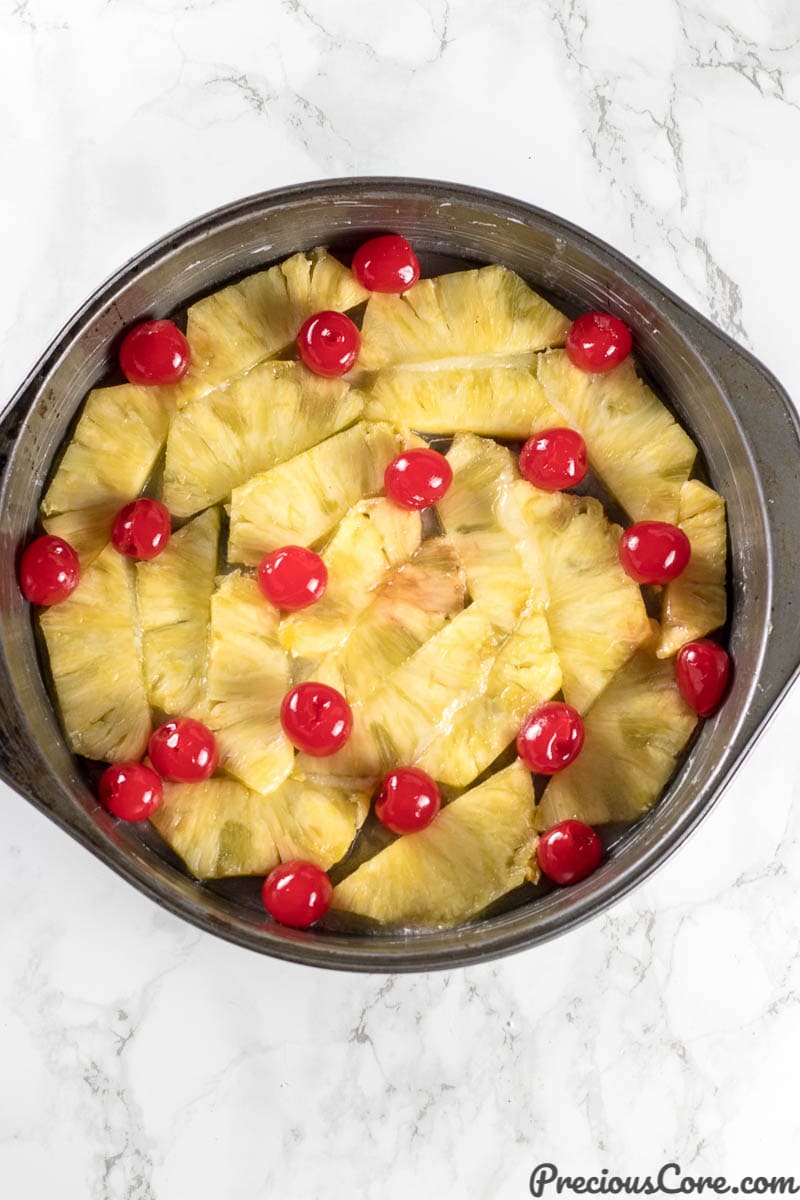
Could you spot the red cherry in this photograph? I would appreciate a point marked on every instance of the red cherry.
(141, 529)
(702, 671)
(297, 893)
(292, 577)
(49, 570)
(408, 800)
(569, 851)
(386, 264)
(598, 342)
(183, 751)
(329, 343)
(654, 551)
(417, 478)
(316, 718)
(130, 791)
(551, 737)
(155, 352)
(554, 459)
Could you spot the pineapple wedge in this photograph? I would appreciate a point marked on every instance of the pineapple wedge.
(635, 731)
(273, 412)
(635, 444)
(315, 823)
(372, 538)
(470, 314)
(525, 673)
(302, 500)
(412, 603)
(247, 678)
(696, 603)
(174, 593)
(480, 847)
(595, 611)
(94, 659)
(498, 402)
(106, 464)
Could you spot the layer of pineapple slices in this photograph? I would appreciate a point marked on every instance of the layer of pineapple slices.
(374, 536)
(468, 314)
(635, 731)
(635, 444)
(222, 828)
(107, 462)
(94, 660)
(480, 847)
(247, 676)
(411, 604)
(596, 613)
(273, 412)
(174, 594)
(504, 402)
(696, 603)
(301, 501)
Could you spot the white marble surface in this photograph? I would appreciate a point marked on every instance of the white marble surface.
(140, 1059)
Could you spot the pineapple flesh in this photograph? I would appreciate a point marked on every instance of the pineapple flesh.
(92, 643)
(301, 501)
(635, 732)
(315, 823)
(696, 603)
(174, 594)
(374, 536)
(595, 611)
(480, 847)
(505, 402)
(469, 314)
(635, 444)
(272, 413)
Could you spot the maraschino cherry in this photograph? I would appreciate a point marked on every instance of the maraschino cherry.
(598, 342)
(49, 570)
(154, 353)
(316, 718)
(329, 343)
(141, 529)
(386, 264)
(551, 738)
(568, 852)
(554, 459)
(702, 672)
(297, 894)
(184, 751)
(292, 577)
(654, 552)
(130, 791)
(417, 478)
(408, 800)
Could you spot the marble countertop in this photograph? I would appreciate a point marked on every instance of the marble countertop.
(143, 1060)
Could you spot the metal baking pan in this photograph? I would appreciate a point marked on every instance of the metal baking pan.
(738, 413)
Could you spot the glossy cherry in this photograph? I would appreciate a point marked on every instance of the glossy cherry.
(154, 353)
(329, 343)
(554, 459)
(49, 570)
(316, 718)
(551, 738)
(569, 851)
(297, 894)
(408, 800)
(292, 577)
(386, 264)
(183, 750)
(598, 342)
(702, 672)
(417, 478)
(130, 791)
(141, 529)
(654, 551)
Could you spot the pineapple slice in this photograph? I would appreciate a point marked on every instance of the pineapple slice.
(480, 515)
(273, 412)
(596, 614)
(489, 311)
(480, 847)
(302, 500)
(218, 827)
(635, 444)
(696, 603)
(94, 659)
(106, 464)
(247, 678)
(525, 673)
(413, 602)
(372, 538)
(174, 592)
(635, 731)
(498, 402)
(315, 823)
